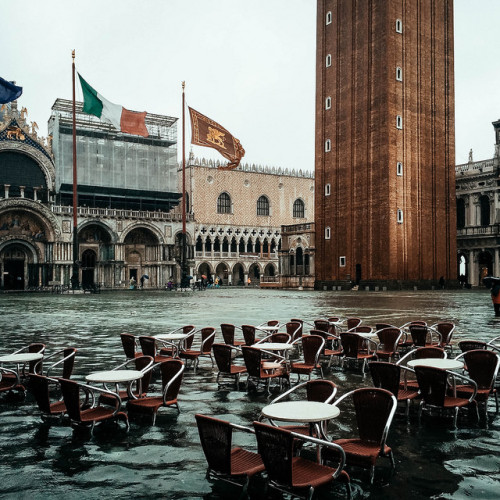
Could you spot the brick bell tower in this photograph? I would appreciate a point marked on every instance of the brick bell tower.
(385, 143)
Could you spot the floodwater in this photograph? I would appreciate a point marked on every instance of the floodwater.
(166, 460)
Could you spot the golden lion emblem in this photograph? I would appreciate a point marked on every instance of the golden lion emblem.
(216, 137)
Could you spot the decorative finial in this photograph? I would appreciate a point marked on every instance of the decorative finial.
(73, 54)
(183, 84)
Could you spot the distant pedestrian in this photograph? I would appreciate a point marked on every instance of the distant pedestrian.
(142, 281)
(441, 282)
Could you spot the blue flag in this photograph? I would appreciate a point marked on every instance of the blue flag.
(8, 91)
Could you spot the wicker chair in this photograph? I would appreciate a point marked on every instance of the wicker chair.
(295, 329)
(171, 379)
(445, 331)
(207, 339)
(472, 345)
(421, 336)
(249, 334)
(374, 409)
(87, 418)
(67, 361)
(223, 359)
(225, 462)
(332, 348)
(351, 343)
(254, 365)
(388, 376)
(389, 341)
(482, 367)
(41, 388)
(129, 343)
(322, 324)
(434, 388)
(228, 332)
(291, 474)
(148, 347)
(312, 348)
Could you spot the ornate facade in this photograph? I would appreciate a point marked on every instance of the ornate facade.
(119, 237)
(478, 216)
(239, 216)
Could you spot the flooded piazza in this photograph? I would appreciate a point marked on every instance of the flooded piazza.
(166, 460)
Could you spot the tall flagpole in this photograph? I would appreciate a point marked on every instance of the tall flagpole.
(184, 270)
(74, 278)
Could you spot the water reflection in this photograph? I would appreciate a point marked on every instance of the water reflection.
(166, 460)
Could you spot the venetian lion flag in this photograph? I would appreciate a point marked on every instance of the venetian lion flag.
(206, 132)
(128, 122)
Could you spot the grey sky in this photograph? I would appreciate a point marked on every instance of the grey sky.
(250, 65)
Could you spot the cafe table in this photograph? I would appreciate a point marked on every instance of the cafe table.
(444, 364)
(116, 377)
(313, 413)
(173, 338)
(21, 358)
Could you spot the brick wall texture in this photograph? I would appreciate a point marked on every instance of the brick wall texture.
(366, 97)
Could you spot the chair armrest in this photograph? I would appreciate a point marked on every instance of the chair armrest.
(469, 381)
(91, 389)
(13, 372)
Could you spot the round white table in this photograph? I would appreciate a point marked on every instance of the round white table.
(300, 411)
(308, 412)
(444, 364)
(114, 376)
(273, 346)
(171, 336)
(22, 357)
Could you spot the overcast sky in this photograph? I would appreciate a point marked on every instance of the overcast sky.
(248, 64)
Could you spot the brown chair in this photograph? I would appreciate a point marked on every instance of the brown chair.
(207, 339)
(293, 474)
(388, 376)
(129, 344)
(294, 329)
(228, 332)
(143, 364)
(351, 343)
(322, 325)
(421, 336)
(332, 348)
(374, 409)
(249, 334)
(482, 367)
(223, 359)
(444, 330)
(253, 362)
(352, 323)
(278, 338)
(41, 387)
(148, 347)
(472, 345)
(171, 380)
(87, 418)
(406, 341)
(225, 462)
(434, 389)
(321, 391)
(312, 348)
(389, 341)
(67, 361)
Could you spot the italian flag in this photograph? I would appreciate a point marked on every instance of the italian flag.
(128, 122)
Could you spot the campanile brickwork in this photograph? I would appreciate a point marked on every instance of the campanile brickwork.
(385, 178)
